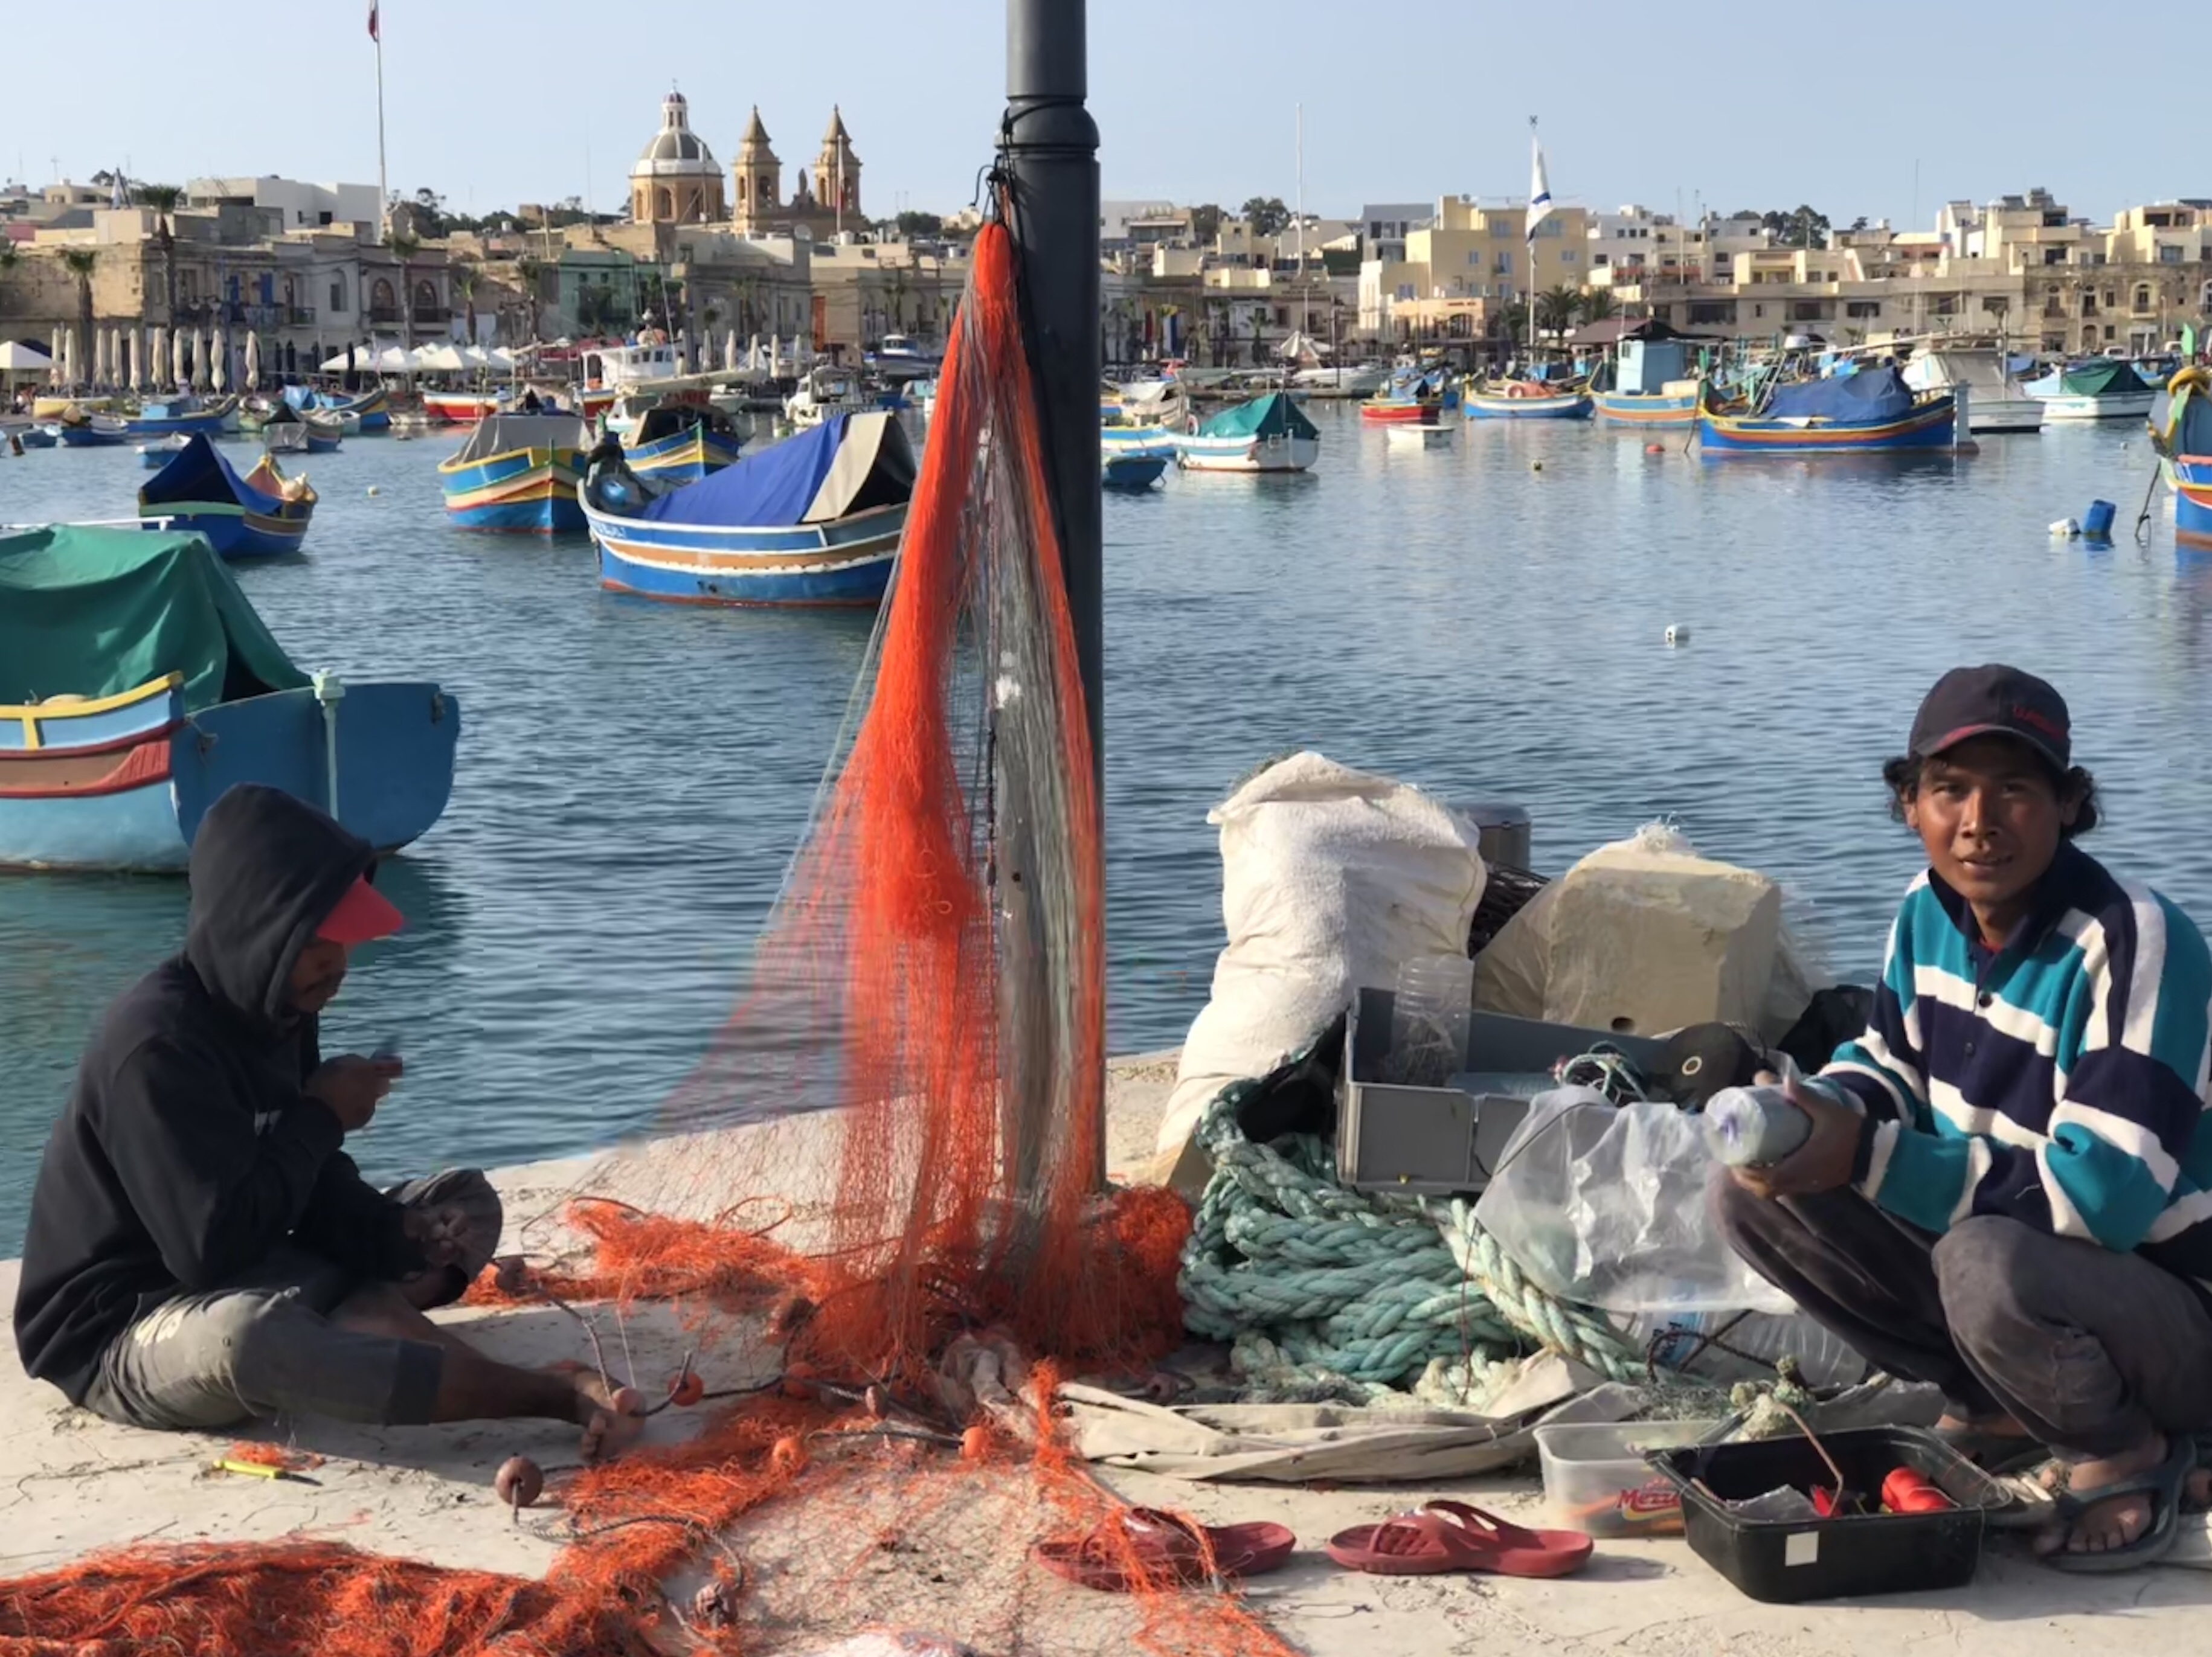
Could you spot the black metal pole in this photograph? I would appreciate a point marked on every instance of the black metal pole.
(1052, 187)
(1052, 154)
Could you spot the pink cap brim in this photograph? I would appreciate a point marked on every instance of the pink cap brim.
(363, 915)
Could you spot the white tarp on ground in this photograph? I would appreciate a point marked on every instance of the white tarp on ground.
(1339, 1443)
(1330, 879)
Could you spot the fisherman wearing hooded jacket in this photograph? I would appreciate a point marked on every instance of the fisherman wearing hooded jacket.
(201, 1249)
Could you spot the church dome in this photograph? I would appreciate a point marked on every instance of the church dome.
(676, 150)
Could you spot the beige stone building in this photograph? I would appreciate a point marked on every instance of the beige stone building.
(825, 200)
(1476, 258)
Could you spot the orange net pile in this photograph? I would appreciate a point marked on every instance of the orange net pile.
(891, 1155)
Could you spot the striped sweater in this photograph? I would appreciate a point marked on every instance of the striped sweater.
(2060, 1081)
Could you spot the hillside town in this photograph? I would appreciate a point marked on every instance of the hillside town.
(757, 247)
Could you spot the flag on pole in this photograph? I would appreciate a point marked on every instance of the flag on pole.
(1539, 191)
(372, 34)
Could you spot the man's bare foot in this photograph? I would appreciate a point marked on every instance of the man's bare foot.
(2106, 1525)
(611, 1417)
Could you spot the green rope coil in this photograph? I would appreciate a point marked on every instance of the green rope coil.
(1316, 1282)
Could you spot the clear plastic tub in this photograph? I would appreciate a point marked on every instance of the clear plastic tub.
(1597, 1481)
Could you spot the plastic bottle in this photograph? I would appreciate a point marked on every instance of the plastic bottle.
(1435, 1007)
(1754, 1127)
(1756, 1341)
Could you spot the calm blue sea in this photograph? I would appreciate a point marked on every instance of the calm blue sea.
(1487, 621)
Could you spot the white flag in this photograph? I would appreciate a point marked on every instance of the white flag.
(1539, 192)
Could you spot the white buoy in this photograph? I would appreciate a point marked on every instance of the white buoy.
(2064, 530)
(1678, 634)
(373, 489)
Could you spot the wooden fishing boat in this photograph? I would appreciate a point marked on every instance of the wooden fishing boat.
(518, 473)
(1418, 434)
(1872, 411)
(182, 694)
(1526, 399)
(682, 443)
(459, 408)
(160, 451)
(2103, 388)
(814, 520)
(79, 428)
(324, 433)
(1270, 433)
(175, 418)
(369, 412)
(1650, 383)
(264, 514)
(2185, 449)
(1131, 471)
(43, 436)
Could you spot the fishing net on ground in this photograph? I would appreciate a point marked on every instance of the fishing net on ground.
(876, 1212)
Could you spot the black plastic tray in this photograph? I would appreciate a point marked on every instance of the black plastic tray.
(1830, 1559)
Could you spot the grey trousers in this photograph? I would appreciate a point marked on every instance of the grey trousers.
(263, 1344)
(2091, 1350)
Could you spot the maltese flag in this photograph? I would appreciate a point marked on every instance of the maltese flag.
(372, 34)
(1539, 191)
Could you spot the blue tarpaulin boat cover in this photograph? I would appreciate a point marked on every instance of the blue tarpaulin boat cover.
(847, 464)
(200, 476)
(1868, 397)
(1272, 415)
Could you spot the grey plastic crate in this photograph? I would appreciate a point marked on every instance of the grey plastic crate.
(1440, 1141)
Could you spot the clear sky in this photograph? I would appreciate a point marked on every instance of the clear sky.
(1731, 104)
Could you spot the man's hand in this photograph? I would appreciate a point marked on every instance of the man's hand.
(352, 1087)
(1823, 1163)
(438, 1233)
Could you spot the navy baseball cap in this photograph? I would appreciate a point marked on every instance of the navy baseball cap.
(1993, 700)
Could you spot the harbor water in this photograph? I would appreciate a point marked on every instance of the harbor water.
(1489, 621)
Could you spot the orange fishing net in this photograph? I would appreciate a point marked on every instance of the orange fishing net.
(916, 1073)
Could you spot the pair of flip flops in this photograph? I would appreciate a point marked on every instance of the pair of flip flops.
(1145, 1547)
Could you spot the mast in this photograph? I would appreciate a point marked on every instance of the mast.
(1536, 176)
(1302, 237)
(383, 181)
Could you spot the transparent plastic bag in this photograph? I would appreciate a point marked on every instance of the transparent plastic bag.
(1608, 1206)
(1434, 1009)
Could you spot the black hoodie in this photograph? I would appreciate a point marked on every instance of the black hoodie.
(187, 1150)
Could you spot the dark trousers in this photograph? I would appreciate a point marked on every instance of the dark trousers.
(2091, 1350)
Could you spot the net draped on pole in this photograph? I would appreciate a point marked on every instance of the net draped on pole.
(932, 974)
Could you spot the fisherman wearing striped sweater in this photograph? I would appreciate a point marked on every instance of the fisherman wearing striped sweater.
(2008, 1188)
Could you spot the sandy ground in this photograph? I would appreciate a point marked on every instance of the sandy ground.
(70, 1483)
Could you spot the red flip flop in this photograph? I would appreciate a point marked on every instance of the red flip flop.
(1149, 1548)
(1451, 1536)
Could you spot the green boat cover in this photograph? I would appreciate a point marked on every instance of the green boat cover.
(2108, 379)
(95, 612)
(1272, 415)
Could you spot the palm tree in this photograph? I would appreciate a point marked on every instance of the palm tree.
(531, 272)
(1596, 305)
(81, 262)
(163, 199)
(7, 257)
(405, 246)
(1555, 309)
(464, 275)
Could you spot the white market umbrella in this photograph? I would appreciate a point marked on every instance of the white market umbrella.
(254, 362)
(180, 358)
(774, 357)
(134, 350)
(337, 365)
(69, 357)
(730, 353)
(752, 354)
(97, 355)
(203, 354)
(219, 360)
(60, 354)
